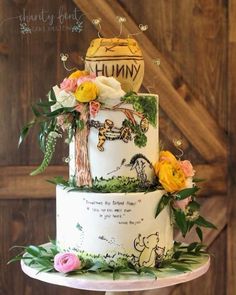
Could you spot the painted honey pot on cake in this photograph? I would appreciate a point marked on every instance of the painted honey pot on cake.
(119, 58)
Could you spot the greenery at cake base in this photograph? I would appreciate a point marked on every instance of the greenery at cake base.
(119, 184)
(42, 258)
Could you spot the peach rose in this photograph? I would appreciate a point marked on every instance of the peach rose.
(187, 167)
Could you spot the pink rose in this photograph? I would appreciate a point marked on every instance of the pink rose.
(66, 262)
(69, 85)
(94, 107)
(182, 204)
(82, 79)
(187, 168)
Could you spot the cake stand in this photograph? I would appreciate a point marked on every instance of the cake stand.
(126, 282)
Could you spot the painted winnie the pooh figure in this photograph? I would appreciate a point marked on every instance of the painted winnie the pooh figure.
(149, 249)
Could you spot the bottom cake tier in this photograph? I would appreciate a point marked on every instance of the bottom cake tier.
(114, 225)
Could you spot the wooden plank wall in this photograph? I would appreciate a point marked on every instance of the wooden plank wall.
(196, 42)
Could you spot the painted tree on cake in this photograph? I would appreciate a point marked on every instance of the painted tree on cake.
(83, 174)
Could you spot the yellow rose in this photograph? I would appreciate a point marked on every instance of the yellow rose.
(78, 74)
(165, 156)
(171, 176)
(86, 92)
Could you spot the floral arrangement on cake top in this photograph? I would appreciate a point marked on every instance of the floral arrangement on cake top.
(72, 108)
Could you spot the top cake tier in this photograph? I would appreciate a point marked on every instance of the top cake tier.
(118, 58)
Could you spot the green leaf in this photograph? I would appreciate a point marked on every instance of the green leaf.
(45, 269)
(58, 180)
(148, 271)
(25, 131)
(180, 267)
(98, 266)
(199, 233)
(33, 250)
(181, 221)
(199, 248)
(177, 244)
(192, 246)
(52, 96)
(177, 254)
(194, 206)
(165, 199)
(14, 259)
(185, 193)
(203, 222)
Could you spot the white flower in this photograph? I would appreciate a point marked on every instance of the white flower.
(110, 90)
(64, 99)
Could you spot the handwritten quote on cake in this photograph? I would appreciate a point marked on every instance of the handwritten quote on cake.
(122, 212)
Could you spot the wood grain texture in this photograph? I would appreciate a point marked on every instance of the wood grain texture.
(205, 127)
(192, 37)
(231, 235)
(16, 183)
(4, 50)
(35, 60)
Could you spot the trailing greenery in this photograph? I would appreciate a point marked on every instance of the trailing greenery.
(38, 256)
(185, 219)
(49, 128)
(118, 184)
(180, 258)
(49, 151)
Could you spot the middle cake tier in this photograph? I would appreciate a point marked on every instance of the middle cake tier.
(122, 141)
